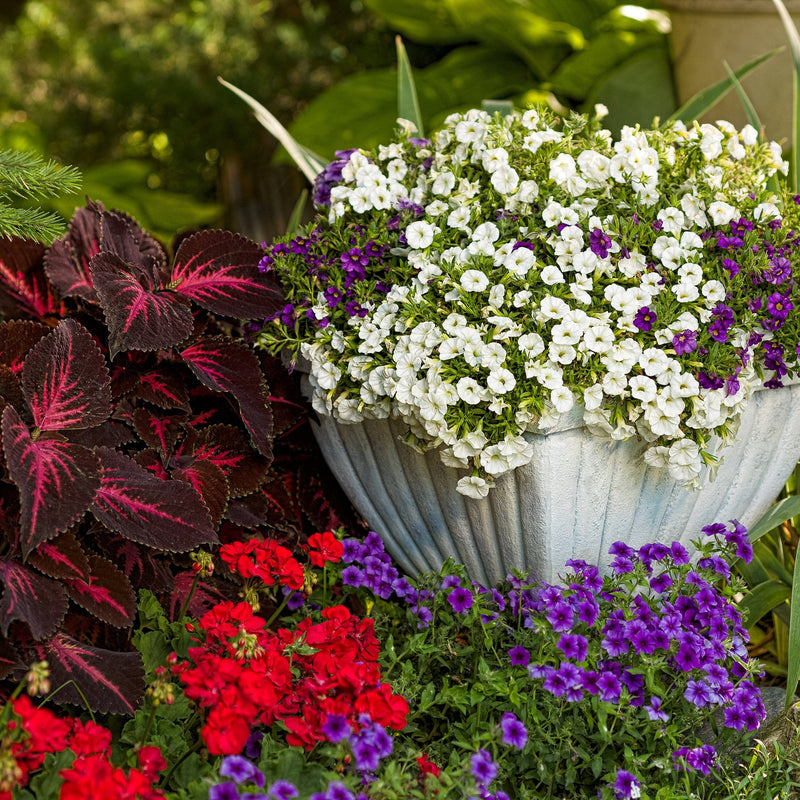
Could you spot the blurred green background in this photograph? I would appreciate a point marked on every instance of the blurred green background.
(126, 90)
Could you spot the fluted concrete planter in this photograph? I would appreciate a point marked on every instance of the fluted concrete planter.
(580, 493)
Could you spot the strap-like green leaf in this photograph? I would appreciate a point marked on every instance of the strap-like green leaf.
(775, 516)
(309, 163)
(794, 46)
(502, 107)
(295, 219)
(704, 100)
(793, 667)
(765, 597)
(407, 103)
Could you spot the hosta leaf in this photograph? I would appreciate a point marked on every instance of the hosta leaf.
(210, 483)
(31, 598)
(225, 365)
(17, 337)
(168, 515)
(227, 448)
(107, 594)
(57, 480)
(61, 558)
(111, 682)
(66, 261)
(158, 430)
(24, 291)
(138, 318)
(218, 270)
(65, 380)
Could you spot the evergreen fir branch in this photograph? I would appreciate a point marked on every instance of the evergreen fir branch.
(29, 176)
(30, 223)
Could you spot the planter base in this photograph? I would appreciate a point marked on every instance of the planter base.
(580, 493)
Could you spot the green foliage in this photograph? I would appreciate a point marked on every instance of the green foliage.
(27, 177)
(572, 53)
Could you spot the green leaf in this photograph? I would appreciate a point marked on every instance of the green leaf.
(423, 21)
(793, 667)
(638, 91)
(296, 218)
(777, 514)
(762, 599)
(794, 45)
(407, 102)
(308, 163)
(706, 99)
(749, 108)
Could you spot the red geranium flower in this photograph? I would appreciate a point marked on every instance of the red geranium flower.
(324, 547)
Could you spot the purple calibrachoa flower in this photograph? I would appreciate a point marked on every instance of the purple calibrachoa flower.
(336, 728)
(654, 710)
(484, 770)
(645, 319)
(685, 342)
(224, 791)
(241, 770)
(519, 656)
(514, 732)
(283, 790)
(702, 759)
(626, 785)
(460, 599)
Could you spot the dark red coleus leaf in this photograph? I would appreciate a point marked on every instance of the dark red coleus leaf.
(61, 558)
(226, 365)
(65, 380)
(163, 389)
(31, 598)
(24, 290)
(109, 434)
(107, 594)
(122, 235)
(17, 337)
(210, 483)
(218, 270)
(203, 596)
(249, 512)
(159, 430)
(138, 317)
(168, 515)
(229, 449)
(57, 480)
(111, 682)
(66, 261)
(9, 658)
(10, 390)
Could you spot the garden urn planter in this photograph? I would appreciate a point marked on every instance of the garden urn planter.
(578, 495)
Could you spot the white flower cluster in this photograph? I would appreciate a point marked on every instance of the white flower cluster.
(546, 269)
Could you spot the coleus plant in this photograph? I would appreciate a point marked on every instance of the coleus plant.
(136, 424)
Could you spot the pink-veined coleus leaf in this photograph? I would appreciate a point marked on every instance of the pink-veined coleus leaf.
(24, 290)
(203, 596)
(111, 682)
(226, 365)
(122, 235)
(210, 483)
(163, 389)
(168, 515)
(138, 317)
(229, 449)
(17, 337)
(218, 270)
(107, 594)
(61, 558)
(158, 429)
(66, 261)
(57, 480)
(31, 598)
(9, 658)
(65, 380)
(249, 512)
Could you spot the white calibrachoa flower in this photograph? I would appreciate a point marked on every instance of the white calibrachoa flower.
(476, 291)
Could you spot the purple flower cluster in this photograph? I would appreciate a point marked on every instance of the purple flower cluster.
(242, 771)
(370, 566)
(655, 608)
(329, 177)
(700, 759)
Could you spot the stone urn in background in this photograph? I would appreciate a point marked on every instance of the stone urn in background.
(580, 494)
(707, 33)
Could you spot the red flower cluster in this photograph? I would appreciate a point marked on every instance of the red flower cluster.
(263, 559)
(33, 732)
(324, 547)
(246, 675)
